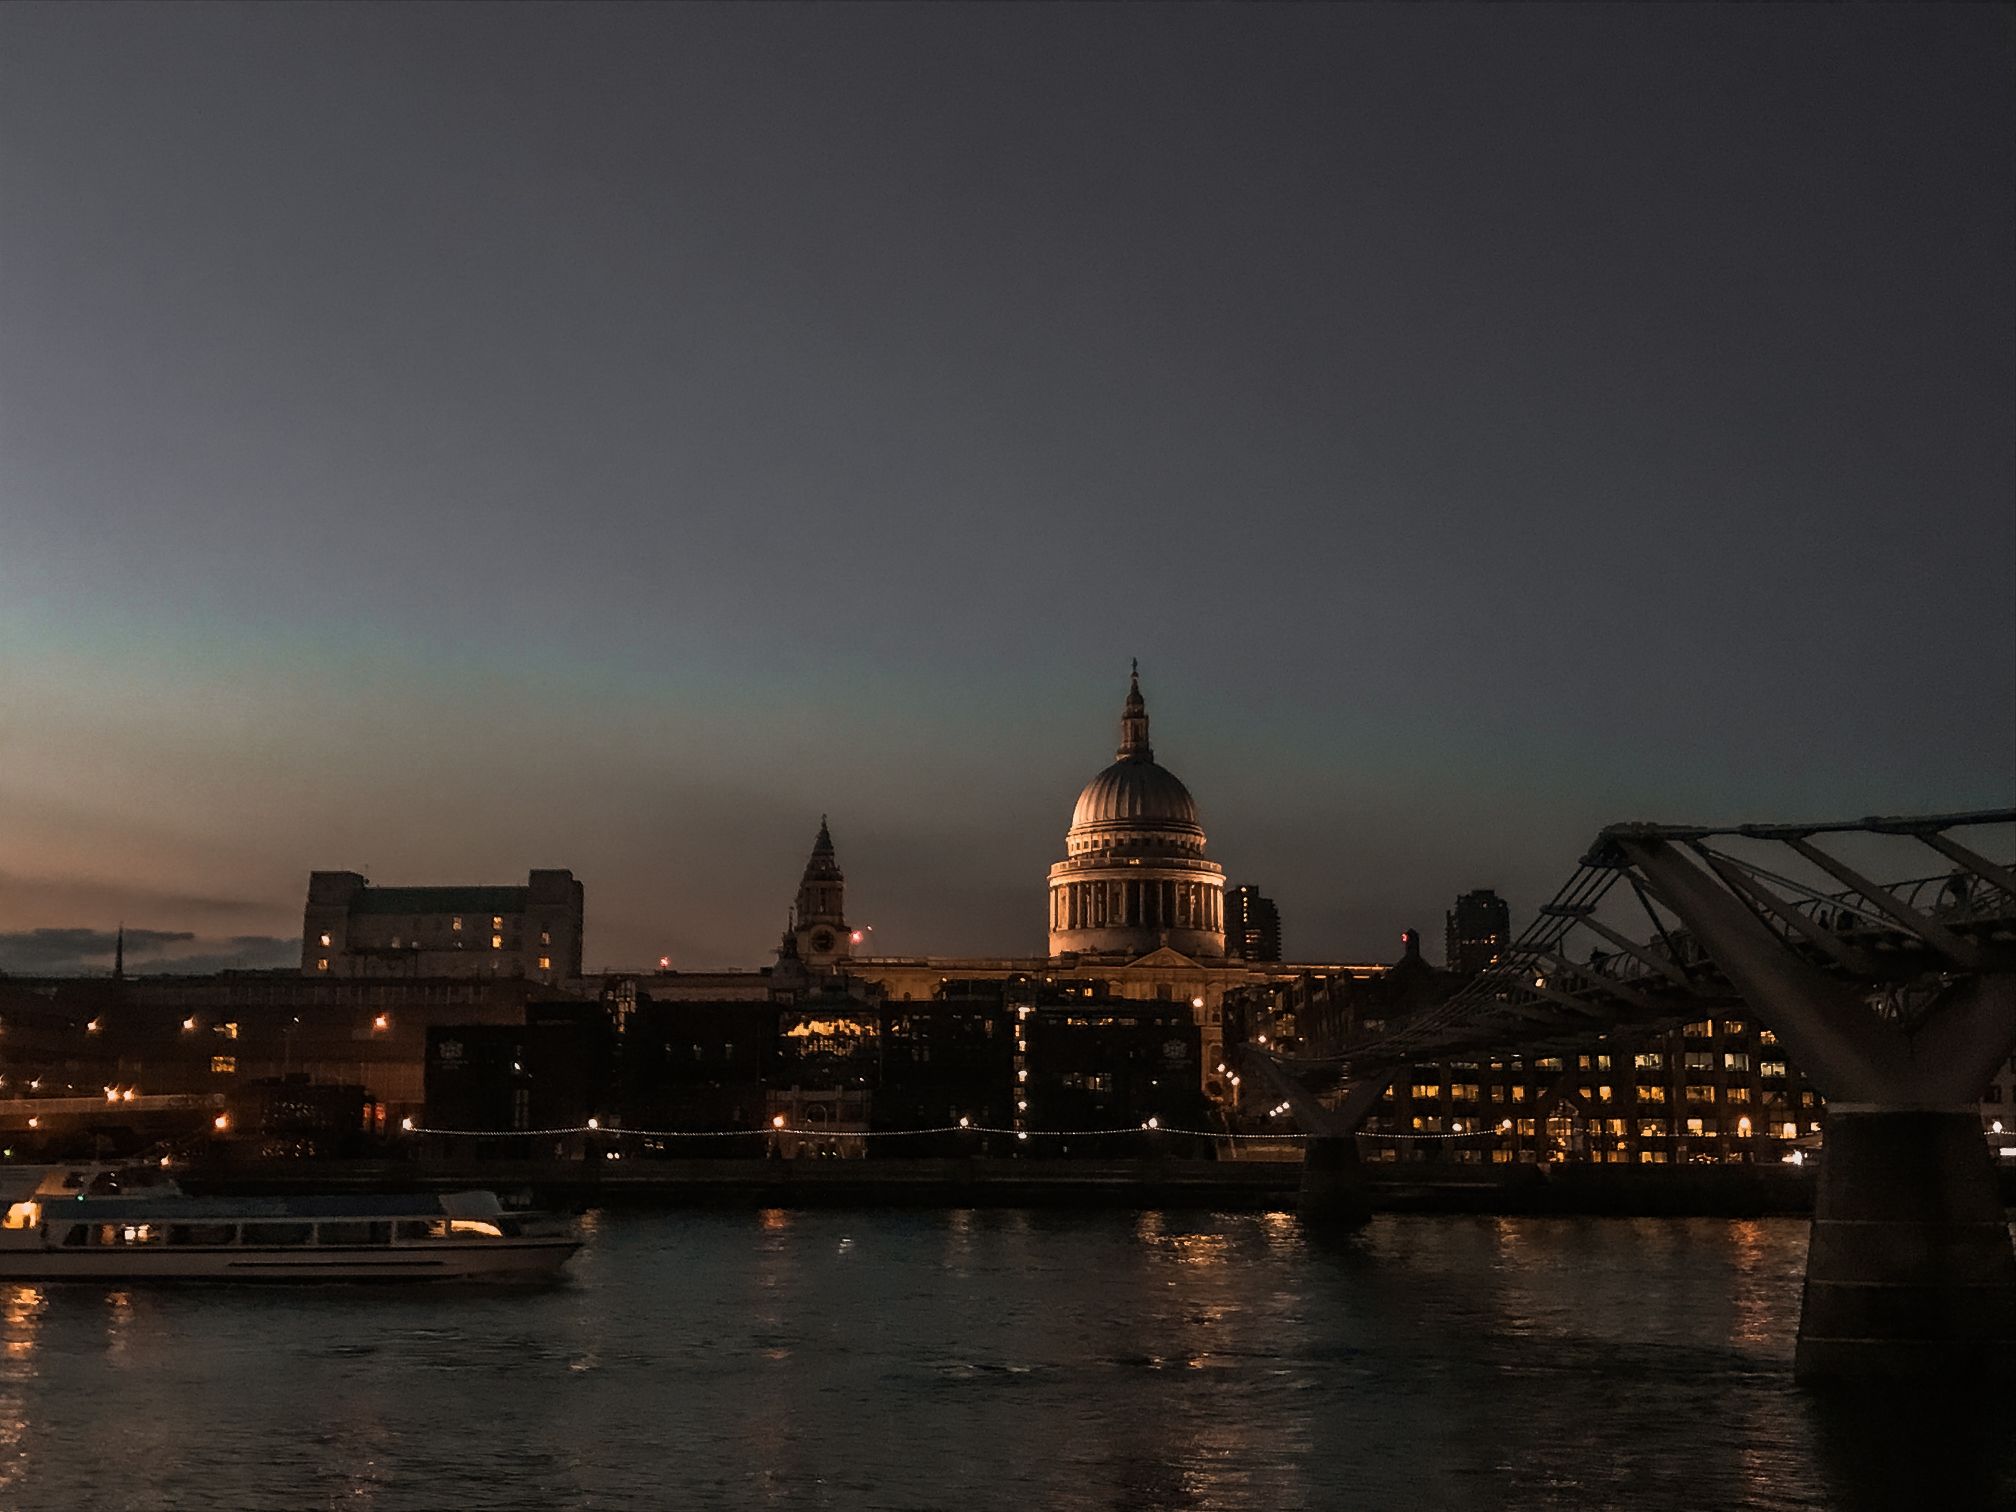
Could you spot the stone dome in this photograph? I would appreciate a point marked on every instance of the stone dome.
(1134, 877)
(1137, 793)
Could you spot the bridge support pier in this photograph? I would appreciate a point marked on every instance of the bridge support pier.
(1910, 1273)
(1334, 1192)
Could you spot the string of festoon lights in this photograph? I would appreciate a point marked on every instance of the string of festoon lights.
(779, 1124)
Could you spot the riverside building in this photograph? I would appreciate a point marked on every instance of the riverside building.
(353, 929)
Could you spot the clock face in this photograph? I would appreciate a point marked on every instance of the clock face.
(822, 939)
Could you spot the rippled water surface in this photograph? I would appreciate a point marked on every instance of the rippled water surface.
(991, 1360)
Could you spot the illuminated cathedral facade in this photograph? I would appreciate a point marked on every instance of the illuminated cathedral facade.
(1136, 910)
(1134, 877)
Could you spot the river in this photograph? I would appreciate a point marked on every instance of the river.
(1023, 1361)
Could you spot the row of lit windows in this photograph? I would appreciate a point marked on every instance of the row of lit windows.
(496, 938)
(1617, 1128)
(1467, 1092)
(496, 943)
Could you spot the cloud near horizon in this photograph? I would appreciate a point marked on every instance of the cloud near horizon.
(88, 952)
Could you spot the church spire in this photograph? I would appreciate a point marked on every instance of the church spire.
(1134, 722)
(820, 928)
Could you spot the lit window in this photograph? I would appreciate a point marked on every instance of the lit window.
(496, 942)
(228, 1030)
(545, 937)
(496, 921)
(326, 942)
(545, 963)
(223, 1065)
(323, 964)
(456, 924)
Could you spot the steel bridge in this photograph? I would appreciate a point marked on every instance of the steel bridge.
(1897, 1000)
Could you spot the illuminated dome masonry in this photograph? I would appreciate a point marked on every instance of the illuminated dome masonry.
(1135, 877)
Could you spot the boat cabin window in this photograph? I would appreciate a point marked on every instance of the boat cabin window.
(23, 1215)
(423, 1228)
(278, 1233)
(202, 1233)
(354, 1233)
(123, 1235)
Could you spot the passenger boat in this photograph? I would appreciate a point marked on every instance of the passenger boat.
(95, 1223)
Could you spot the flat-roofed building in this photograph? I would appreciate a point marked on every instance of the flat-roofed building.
(353, 929)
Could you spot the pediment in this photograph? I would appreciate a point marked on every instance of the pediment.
(1164, 956)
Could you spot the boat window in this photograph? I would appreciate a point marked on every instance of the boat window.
(125, 1234)
(278, 1233)
(354, 1233)
(481, 1226)
(202, 1233)
(76, 1237)
(23, 1215)
(423, 1228)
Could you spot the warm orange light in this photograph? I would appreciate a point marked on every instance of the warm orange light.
(221, 1122)
(406, 1124)
(188, 1024)
(127, 1095)
(111, 1094)
(777, 1122)
(594, 1123)
(34, 1123)
(381, 1023)
(92, 1027)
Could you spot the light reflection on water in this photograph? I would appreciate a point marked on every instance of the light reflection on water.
(990, 1360)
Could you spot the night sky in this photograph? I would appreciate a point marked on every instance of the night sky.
(447, 441)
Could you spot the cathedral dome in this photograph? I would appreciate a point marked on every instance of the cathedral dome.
(1136, 792)
(1134, 877)
(1135, 801)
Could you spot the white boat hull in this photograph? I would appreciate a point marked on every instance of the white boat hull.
(434, 1260)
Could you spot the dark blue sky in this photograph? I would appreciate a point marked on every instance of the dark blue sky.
(452, 440)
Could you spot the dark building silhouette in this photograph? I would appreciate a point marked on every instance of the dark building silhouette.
(1252, 925)
(555, 1070)
(1479, 929)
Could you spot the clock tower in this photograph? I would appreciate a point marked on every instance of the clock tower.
(819, 926)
